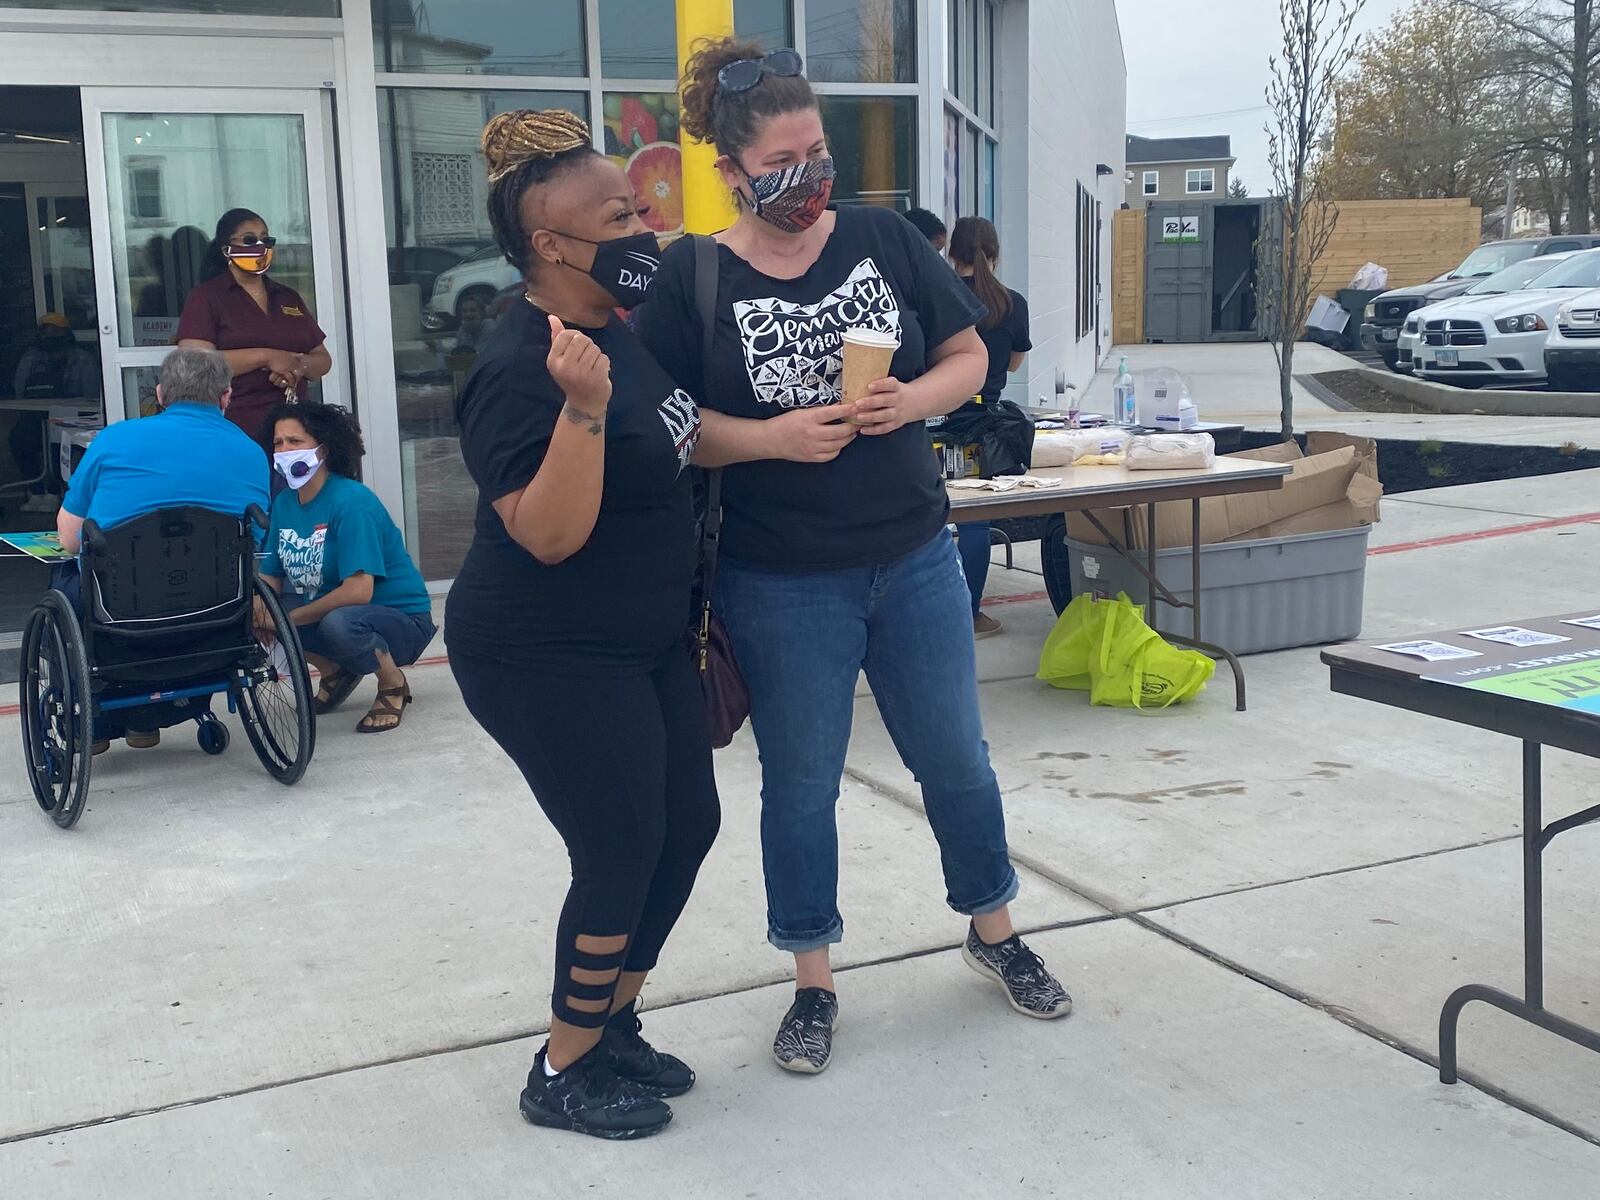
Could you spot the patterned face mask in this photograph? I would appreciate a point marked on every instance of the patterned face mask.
(792, 198)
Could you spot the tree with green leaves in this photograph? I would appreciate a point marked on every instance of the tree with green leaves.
(1237, 188)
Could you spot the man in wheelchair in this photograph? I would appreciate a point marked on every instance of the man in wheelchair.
(187, 455)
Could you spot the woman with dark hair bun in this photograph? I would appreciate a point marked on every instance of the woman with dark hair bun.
(264, 329)
(340, 563)
(835, 553)
(566, 622)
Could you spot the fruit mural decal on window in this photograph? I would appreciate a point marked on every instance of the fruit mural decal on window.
(642, 138)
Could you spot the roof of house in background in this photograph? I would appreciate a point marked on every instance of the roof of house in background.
(1178, 149)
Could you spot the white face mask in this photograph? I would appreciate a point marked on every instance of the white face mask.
(298, 467)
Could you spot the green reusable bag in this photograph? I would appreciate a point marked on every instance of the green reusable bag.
(1106, 648)
(1064, 661)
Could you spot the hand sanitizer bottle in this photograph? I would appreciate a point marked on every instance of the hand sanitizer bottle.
(1125, 407)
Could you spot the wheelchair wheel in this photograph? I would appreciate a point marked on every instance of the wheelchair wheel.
(275, 701)
(212, 735)
(56, 709)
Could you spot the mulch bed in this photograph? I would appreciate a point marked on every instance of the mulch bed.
(1357, 389)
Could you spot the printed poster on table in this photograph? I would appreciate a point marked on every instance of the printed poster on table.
(1569, 680)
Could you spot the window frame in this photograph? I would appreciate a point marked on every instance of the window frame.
(978, 134)
(1189, 180)
(1151, 183)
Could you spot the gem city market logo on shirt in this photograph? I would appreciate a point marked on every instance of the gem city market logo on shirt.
(302, 558)
(793, 351)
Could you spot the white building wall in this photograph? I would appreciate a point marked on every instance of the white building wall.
(1061, 117)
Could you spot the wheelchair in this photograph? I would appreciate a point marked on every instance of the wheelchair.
(167, 619)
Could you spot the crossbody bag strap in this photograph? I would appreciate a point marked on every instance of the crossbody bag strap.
(705, 303)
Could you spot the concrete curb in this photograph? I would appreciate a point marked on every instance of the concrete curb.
(1442, 398)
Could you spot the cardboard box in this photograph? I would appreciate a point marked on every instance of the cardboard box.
(1315, 482)
(1358, 508)
(1278, 452)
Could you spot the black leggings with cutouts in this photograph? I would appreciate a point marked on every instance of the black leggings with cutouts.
(622, 767)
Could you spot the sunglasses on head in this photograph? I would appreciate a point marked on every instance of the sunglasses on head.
(743, 75)
(251, 240)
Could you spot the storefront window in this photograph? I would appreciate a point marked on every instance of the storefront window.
(873, 142)
(639, 38)
(448, 283)
(765, 21)
(479, 37)
(861, 41)
(247, 8)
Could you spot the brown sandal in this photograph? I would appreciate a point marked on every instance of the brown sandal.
(383, 706)
(334, 688)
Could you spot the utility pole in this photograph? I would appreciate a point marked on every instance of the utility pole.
(1511, 197)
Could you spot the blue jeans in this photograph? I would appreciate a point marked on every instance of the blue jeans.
(972, 543)
(350, 637)
(802, 642)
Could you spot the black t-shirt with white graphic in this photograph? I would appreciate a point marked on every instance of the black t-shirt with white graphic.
(621, 603)
(1008, 336)
(776, 347)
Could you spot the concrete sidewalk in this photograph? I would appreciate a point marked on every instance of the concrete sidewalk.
(217, 986)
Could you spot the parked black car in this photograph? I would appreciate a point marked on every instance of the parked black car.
(1386, 315)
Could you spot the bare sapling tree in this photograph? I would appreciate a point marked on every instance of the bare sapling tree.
(1319, 42)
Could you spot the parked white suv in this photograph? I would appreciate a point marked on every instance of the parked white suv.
(1514, 278)
(1572, 352)
(1490, 339)
(478, 276)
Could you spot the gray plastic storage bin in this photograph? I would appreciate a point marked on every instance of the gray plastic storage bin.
(1260, 595)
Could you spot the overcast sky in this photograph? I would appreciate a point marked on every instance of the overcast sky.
(1200, 67)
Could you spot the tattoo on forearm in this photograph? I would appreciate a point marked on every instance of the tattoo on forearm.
(595, 424)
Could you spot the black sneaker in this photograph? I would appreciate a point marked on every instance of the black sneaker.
(640, 1063)
(589, 1097)
(1029, 987)
(805, 1038)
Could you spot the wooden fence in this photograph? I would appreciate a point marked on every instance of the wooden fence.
(1415, 239)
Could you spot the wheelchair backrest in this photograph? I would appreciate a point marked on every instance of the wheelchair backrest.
(173, 564)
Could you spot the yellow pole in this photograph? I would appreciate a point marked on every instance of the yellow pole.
(707, 206)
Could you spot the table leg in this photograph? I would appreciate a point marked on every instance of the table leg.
(1194, 568)
(1535, 837)
(1154, 566)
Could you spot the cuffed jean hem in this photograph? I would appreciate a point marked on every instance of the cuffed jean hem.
(996, 900)
(801, 943)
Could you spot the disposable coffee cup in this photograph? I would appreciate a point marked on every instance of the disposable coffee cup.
(867, 355)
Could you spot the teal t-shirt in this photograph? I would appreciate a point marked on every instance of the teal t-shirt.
(343, 530)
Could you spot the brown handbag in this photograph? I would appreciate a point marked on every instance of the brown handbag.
(726, 695)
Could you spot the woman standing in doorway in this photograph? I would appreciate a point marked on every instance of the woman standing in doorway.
(264, 329)
(835, 555)
(566, 622)
(975, 253)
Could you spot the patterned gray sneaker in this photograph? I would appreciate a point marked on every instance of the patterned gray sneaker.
(805, 1038)
(1029, 987)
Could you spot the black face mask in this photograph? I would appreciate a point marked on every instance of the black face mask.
(624, 266)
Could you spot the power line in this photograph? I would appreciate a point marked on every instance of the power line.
(1184, 120)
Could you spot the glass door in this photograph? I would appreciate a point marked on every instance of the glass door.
(163, 166)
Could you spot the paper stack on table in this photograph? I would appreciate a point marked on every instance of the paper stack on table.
(1005, 483)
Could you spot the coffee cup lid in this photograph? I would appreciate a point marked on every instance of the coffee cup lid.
(870, 337)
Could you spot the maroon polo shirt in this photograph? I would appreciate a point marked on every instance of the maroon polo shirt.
(221, 312)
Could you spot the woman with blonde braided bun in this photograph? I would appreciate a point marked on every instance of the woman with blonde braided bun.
(566, 622)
